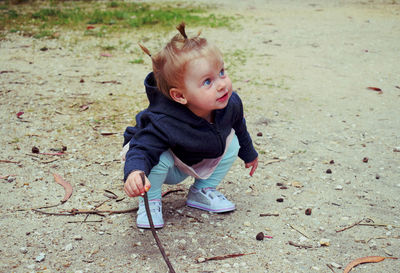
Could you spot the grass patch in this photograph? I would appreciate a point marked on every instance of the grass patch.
(98, 18)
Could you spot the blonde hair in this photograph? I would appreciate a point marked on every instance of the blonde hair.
(169, 65)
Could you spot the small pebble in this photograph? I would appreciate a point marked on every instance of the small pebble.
(335, 265)
(247, 224)
(69, 247)
(339, 187)
(200, 260)
(297, 184)
(325, 242)
(23, 250)
(40, 258)
(31, 266)
(10, 179)
(372, 245)
(78, 237)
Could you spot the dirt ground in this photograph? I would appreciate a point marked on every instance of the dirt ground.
(327, 143)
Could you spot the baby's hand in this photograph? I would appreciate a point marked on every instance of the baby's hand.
(134, 186)
(253, 164)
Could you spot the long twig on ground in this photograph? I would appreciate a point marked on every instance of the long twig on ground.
(298, 245)
(330, 267)
(352, 225)
(9, 161)
(228, 256)
(74, 212)
(189, 216)
(378, 225)
(299, 230)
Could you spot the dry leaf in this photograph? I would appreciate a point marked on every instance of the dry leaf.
(363, 260)
(67, 187)
(375, 89)
(297, 184)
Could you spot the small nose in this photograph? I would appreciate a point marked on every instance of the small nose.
(221, 85)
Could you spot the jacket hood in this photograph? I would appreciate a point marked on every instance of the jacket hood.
(159, 103)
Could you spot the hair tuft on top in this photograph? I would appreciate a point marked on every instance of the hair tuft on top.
(145, 50)
(181, 29)
(169, 65)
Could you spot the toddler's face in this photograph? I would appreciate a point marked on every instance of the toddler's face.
(207, 86)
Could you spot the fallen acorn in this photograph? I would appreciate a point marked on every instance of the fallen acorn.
(35, 150)
(260, 236)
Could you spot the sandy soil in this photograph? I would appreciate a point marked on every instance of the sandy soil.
(326, 143)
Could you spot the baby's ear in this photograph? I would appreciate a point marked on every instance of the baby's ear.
(177, 95)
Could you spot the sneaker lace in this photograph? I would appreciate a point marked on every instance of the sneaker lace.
(212, 192)
(155, 206)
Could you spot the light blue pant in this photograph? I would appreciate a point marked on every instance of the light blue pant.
(166, 172)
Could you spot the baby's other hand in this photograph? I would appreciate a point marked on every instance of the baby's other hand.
(134, 186)
(253, 164)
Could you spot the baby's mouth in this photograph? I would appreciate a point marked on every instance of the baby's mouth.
(224, 97)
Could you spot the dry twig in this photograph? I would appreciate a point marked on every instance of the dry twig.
(203, 260)
(352, 225)
(298, 245)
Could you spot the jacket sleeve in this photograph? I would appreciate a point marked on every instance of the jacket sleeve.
(246, 152)
(145, 148)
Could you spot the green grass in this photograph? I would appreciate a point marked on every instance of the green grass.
(45, 18)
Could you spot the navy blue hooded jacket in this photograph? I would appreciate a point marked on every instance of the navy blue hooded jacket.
(166, 124)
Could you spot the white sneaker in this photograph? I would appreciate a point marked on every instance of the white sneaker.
(208, 199)
(156, 214)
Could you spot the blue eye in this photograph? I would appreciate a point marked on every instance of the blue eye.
(207, 82)
(222, 72)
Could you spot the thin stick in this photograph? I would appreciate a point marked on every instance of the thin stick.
(170, 191)
(84, 221)
(377, 225)
(189, 216)
(352, 225)
(271, 161)
(153, 230)
(302, 232)
(74, 212)
(330, 267)
(217, 258)
(268, 214)
(8, 161)
(298, 245)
